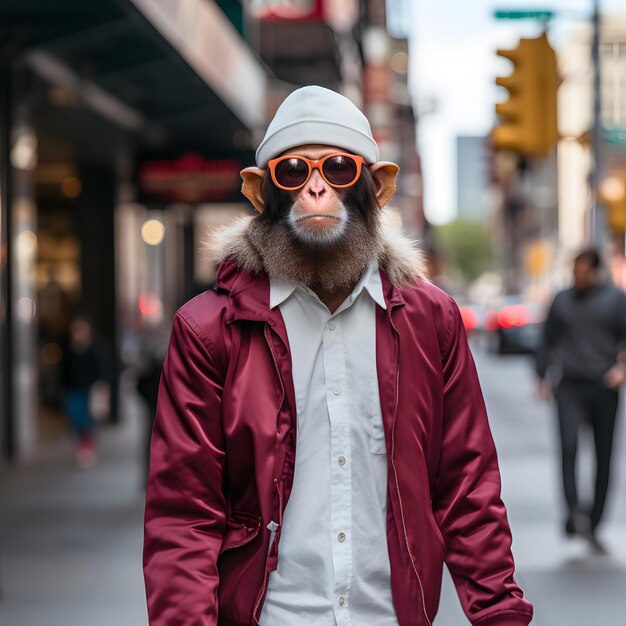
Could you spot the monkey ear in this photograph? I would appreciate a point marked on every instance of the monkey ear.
(251, 187)
(384, 174)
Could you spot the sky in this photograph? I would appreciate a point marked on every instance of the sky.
(453, 65)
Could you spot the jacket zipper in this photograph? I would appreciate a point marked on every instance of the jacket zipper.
(261, 594)
(273, 528)
(280, 503)
(395, 471)
(280, 498)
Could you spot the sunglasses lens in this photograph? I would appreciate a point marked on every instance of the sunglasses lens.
(340, 170)
(291, 172)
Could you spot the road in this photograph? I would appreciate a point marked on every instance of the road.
(70, 541)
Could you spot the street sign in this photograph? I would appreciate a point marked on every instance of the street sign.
(616, 136)
(523, 15)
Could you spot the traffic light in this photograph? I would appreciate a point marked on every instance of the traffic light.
(528, 118)
(612, 192)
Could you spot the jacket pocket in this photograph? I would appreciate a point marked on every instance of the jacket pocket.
(241, 528)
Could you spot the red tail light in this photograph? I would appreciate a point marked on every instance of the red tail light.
(513, 315)
(469, 317)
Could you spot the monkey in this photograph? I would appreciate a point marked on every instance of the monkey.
(320, 427)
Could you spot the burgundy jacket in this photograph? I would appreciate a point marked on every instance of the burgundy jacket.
(223, 451)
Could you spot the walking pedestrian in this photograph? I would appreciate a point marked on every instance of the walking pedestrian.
(86, 392)
(582, 364)
(321, 444)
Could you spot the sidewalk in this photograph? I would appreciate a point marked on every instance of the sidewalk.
(70, 539)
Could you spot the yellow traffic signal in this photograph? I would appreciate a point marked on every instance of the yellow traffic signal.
(528, 118)
(537, 257)
(612, 192)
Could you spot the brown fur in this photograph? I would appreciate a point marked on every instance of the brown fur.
(243, 239)
(325, 268)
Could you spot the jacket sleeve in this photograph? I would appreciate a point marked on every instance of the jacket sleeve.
(466, 496)
(185, 504)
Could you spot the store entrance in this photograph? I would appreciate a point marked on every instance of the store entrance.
(74, 277)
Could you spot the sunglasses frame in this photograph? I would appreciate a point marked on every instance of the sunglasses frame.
(318, 165)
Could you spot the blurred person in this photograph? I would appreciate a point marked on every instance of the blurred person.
(86, 392)
(321, 444)
(581, 363)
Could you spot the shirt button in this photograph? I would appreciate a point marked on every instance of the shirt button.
(332, 325)
(341, 460)
(342, 600)
(337, 391)
(341, 537)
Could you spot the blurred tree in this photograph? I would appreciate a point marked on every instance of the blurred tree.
(467, 248)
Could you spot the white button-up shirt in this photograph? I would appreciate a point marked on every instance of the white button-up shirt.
(333, 565)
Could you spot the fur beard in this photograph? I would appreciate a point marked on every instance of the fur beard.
(322, 266)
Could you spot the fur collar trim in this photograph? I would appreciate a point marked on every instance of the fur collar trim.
(400, 259)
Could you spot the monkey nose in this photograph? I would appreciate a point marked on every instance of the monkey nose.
(316, 192)
(316, 187)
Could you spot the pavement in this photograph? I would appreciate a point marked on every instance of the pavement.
(70, 539)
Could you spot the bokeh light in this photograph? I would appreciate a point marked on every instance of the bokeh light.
(153, 232)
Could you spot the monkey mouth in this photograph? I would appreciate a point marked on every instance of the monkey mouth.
(318, 217)
(318, 228)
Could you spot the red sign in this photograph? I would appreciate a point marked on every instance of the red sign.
(279, 10)
(191, 178)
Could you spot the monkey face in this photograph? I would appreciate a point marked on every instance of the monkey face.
(319, 235)
(317, 214)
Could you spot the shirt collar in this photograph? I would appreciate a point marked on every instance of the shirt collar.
(373, 285)
(280, 290)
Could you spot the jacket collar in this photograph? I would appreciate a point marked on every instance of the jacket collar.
(241, 273)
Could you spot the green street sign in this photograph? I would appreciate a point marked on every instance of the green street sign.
(523, 15)
(616, 136)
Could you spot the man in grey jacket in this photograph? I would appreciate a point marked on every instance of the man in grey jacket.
(584, 335)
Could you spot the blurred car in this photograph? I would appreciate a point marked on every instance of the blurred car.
(516, 326)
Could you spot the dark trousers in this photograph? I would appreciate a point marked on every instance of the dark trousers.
(592, 404)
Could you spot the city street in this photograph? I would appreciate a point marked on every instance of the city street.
(154, 149)
(70, 541)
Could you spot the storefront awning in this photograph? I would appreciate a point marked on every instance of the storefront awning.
(175, 73)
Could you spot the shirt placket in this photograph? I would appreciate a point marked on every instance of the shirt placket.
(341, 467)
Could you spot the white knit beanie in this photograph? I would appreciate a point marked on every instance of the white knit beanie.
(315, 115)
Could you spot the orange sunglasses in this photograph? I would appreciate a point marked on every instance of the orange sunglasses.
(292, 172)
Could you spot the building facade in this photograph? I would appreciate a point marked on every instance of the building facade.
(117, 120)
(124, 128)
(575, 107)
